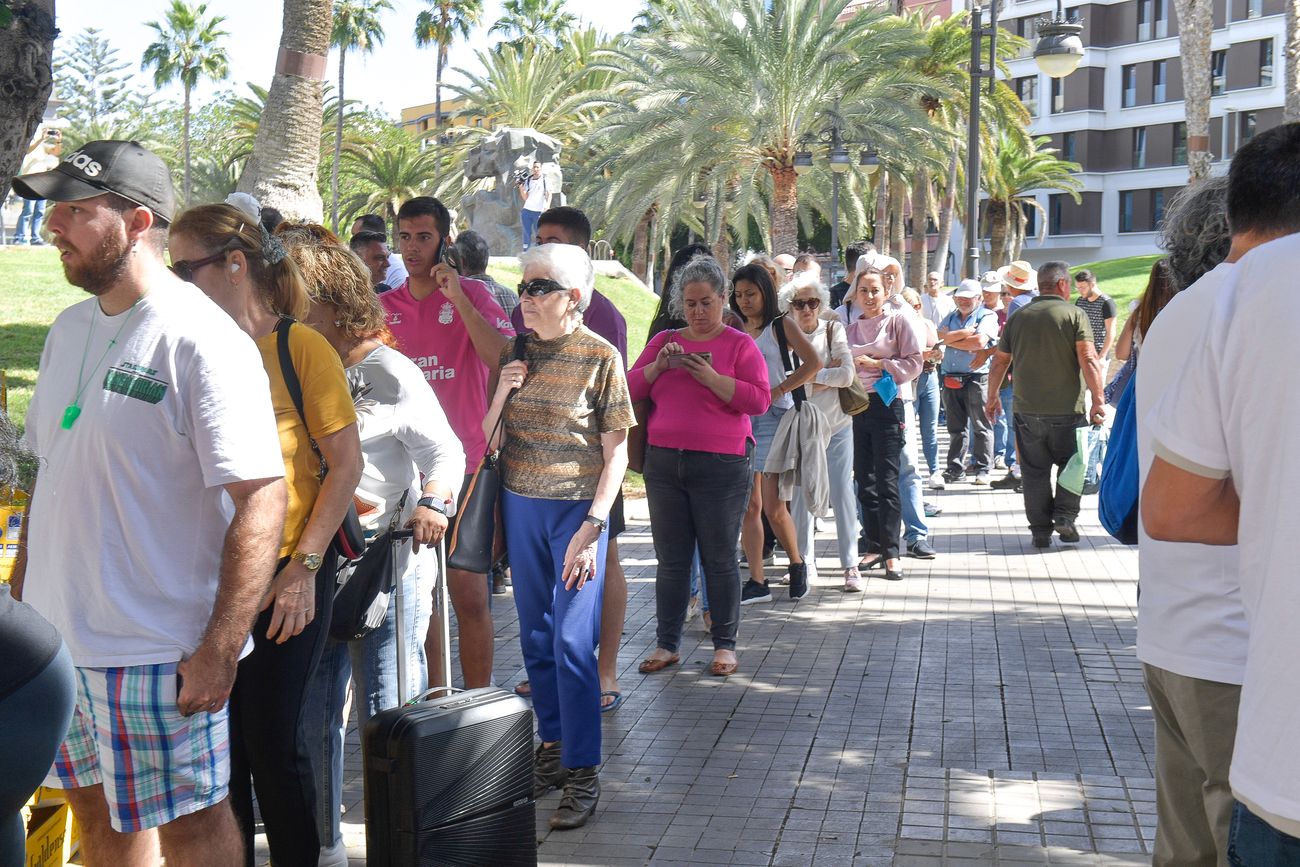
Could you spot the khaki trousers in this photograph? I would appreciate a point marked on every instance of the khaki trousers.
(1196, 724)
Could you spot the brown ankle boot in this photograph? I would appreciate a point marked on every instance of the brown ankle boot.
(548, 773)
(581, 794)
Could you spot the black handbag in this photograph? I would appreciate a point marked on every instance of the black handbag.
(366, 586)
(349, 540)
(470, 548)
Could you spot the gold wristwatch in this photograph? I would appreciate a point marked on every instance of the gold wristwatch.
(311, 561)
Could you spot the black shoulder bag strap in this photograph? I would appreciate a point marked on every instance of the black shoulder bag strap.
(294, 385)
(778, 329)
(518, 353)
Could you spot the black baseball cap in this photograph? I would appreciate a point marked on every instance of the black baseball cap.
(125, 168)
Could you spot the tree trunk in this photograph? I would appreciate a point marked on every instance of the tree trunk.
(26, 80)
(785, 210)
(185, 146)
(281, 172)
(920, 222)
(1291, 67)
(946, 213)
(880, 230)
(998, 227)
(1194, 26)
(338, 148)
(897, 229)
(641, 245)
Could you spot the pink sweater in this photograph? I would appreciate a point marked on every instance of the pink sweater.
(687, 415)
(892, 338)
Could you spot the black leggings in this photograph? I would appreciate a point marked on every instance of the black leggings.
(34, 721)
(877, 452)
(269, 734)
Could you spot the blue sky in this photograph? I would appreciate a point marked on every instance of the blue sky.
(396, 75)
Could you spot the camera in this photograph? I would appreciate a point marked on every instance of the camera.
(522, 175)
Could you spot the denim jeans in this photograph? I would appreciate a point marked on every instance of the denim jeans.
(1252, 842)
(528, 219)
(927, 413)
(1046, 441)
(877, 450)
(371, 664)
(33, 210)
(698, 586)
(910, 485)
(966, 405)
(696, 499)
(839, 467)
(1004, 434)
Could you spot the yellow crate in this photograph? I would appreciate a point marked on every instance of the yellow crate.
(49, 837)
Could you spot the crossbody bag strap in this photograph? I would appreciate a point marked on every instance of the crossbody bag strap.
(778, 329)
(518, 353)
(293, 384)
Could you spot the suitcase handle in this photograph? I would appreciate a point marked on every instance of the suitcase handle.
(450, 690)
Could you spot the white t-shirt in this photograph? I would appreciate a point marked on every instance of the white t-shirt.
(1190, 619)
(406, 440)
(936, 308)
(1230, 412)
(127, 524)
(538, 194)
(396, 274)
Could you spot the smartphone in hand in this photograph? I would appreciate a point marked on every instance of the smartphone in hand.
(679, 359)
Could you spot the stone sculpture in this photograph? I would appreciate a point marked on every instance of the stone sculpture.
(494, 213)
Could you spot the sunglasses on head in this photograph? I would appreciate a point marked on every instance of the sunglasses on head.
(806, 303)
(185, 269)
(539, 287)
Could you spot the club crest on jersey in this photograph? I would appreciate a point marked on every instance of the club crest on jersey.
(446, 313)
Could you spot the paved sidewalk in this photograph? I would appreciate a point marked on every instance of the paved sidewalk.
(986, 710)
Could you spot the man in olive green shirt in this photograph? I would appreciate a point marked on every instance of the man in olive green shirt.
(1050, 341)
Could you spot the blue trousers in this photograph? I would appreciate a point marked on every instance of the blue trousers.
(1004, 432)
(1252, 842)
(558, 628)
(529, 220)
(910, 493)
(927, 411)
(29, 219)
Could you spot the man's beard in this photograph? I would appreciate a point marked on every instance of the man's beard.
(98, 271)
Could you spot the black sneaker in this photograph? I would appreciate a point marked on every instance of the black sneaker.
(1006, 483)
(953, 478)
(1067, 531)
(798, 580)
(921, 549)
(754, 592)
(1043, 540)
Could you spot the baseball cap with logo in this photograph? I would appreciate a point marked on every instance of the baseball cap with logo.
(122, 167)
(969, 288)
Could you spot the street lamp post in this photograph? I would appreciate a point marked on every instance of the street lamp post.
(1057, 54)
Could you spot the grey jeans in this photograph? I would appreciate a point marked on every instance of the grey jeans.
(964, 406)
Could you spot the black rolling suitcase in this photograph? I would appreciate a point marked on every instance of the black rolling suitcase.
(449, 781)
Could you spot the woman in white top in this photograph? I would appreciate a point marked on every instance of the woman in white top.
(413, 461)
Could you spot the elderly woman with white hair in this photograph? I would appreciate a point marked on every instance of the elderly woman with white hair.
(805, 300)
(565, 414)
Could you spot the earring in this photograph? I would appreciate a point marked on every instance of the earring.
(338, 323)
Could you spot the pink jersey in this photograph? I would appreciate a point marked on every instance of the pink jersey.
(432, 335)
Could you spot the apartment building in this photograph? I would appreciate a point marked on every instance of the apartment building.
(1121, 114)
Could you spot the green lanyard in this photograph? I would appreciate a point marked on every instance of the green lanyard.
(73, 410)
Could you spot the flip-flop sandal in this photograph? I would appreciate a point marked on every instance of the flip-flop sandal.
(524, 688)
(613, 705)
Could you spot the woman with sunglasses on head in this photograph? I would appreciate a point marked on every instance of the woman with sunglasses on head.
(248, 274)
(560, 416)
(806, 300)
(413, 464)
(754, 298)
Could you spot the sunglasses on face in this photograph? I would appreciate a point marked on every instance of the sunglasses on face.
(185, 269)
(806, 303)
(539, 287)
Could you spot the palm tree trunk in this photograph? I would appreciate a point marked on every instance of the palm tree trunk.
(26, 63)
(945, 219)
(281, 172)
(338, 149)
(880, 233)
(785, 209)
(1291, 68)
(1194, 26)
(641, 245)
(897, 230)
(437, 110)
(920, 222)
(997, 215)
(185, 144)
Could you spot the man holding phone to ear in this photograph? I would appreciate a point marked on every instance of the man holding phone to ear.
(454, 331)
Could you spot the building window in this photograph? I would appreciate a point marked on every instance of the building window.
(1054, 215)
(1157, 208)
(1027, 90)
(1031, 220)
(1058, 95)
(1218, 72)
(1129, 82)
(1247, 127)
(1254, 8)
(1069, 147)
(1266, 63)
(1139, 147)
(1180, 144)
(1159, 76)
(1126, 210)
(1153, 20)
(1027, 29)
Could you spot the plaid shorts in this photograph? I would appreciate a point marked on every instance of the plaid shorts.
(127, 733)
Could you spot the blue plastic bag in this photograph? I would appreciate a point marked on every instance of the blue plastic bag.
(886, 387)
(1117, 505)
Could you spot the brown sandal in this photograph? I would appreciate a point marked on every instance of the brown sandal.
(650, 665)
(722, 669)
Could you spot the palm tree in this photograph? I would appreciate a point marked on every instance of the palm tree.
(740, 82)
(1015, 171)
(391, 174)
(282, 169)
(186, 49)
(440, 25)
(1291, 67)
(1195, 22)
(534, 22)
(356, 27)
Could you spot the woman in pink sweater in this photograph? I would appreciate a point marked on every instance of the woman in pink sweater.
(705, 381)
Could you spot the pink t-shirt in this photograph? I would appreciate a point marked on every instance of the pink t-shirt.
(431, 333)
(687, 415)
